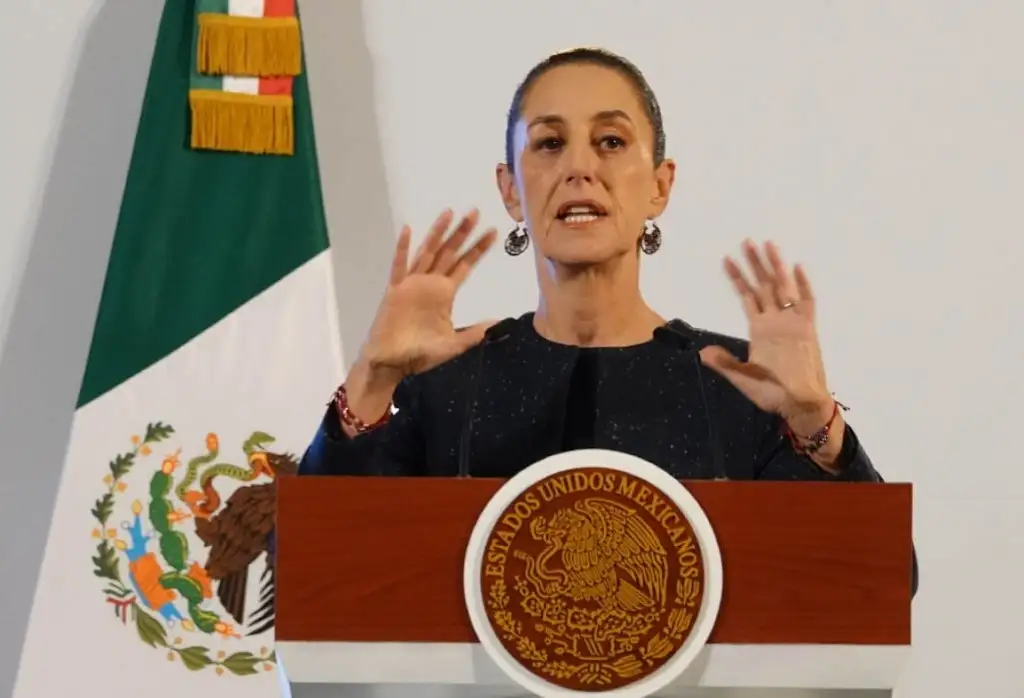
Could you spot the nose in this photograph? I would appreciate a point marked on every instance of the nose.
(580, 163)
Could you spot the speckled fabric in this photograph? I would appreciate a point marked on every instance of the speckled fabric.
(518, 398)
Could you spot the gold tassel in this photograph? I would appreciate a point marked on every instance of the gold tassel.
(244, 123)
(248, 46)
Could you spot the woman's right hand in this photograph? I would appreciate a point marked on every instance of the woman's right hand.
(413, 330)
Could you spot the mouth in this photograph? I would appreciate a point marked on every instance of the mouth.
(581, 212)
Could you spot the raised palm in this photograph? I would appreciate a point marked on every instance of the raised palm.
(784, 372)
(413, 329)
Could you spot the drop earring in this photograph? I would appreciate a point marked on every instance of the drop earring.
(517, 241)
(650, 241)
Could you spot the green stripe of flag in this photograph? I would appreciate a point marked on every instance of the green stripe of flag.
(200, 233)
(215, 6)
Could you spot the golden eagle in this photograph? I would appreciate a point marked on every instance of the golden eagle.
(238, 534)
(609, 554)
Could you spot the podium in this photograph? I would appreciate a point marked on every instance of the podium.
(816, 597)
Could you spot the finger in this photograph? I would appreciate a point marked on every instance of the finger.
(400, 263)
(785, 289)
(725, 363)
(741, 379)
(765, 287)
(751, 305)
(753, 256)
(448, 255)
(468, 261)
(464, 339)
(424, 258)
(719, 358)
(803, 284)
(468, 337)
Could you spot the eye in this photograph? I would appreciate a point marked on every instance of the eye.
(612, 143)
(548, 143)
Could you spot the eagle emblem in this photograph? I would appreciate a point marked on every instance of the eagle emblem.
(179, 540)
(592, 581)
(608, 554)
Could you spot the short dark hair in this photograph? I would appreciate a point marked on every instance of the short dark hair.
(593, 56)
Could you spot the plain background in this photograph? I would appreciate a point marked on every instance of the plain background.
(879, 142)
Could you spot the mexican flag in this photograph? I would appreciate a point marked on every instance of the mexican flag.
(245, 55)
(214, 351)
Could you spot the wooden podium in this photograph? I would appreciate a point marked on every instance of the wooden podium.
(816, 601)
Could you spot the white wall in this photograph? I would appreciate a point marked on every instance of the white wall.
(77, 71)
(44, 36)
(879, 142)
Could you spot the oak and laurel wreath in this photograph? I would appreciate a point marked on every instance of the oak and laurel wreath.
(107, 566)
(661, 645)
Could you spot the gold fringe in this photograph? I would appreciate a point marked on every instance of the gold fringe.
(248, 46)
(244, 123)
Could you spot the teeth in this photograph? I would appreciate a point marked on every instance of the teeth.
(580, 210)
(579, 218)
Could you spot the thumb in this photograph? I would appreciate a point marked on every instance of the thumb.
(724, 362)
(468, 337)
(720, 359)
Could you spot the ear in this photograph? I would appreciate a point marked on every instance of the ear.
(664, 178)
(506, 180)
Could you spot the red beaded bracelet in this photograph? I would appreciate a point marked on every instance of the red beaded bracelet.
(350, 420)
(815, 442)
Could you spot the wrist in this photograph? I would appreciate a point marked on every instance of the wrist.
(808, 417)
(816, 431)
(369, 374)
(369, 392)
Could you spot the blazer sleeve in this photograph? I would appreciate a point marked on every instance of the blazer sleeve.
(777, 460)
(395, 449)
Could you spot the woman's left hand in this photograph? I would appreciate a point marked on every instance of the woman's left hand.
(784, 372)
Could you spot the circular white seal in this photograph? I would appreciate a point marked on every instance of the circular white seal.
(593, 571)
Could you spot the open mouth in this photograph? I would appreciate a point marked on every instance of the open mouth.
(580, 212)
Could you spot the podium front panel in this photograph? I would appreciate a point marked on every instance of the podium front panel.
(370, 598)
(396, 670)
(380, 560)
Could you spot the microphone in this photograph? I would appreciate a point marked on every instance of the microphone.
(499, 331)
(680, 335)
(494, 334)
(673, 334)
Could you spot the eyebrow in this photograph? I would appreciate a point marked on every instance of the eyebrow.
(607, 115)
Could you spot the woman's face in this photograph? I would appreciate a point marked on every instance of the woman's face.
(585, 181)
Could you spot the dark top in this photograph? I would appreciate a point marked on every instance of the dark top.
(517, 398)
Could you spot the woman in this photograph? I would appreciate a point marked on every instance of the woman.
(585, 179)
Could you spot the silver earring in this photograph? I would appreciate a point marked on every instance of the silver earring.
(650, 241)
(517, 241)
